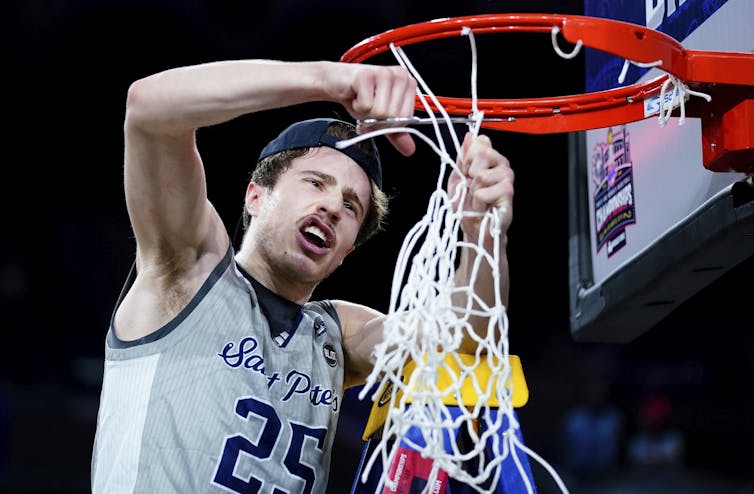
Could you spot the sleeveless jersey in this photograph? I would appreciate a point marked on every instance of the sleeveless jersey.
(212, 402)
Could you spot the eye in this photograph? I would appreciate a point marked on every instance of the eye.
(314, 182)
(353, 207)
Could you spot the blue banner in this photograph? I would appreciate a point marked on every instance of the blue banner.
(676, 18)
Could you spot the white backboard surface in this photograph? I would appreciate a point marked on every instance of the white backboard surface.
(644, 181)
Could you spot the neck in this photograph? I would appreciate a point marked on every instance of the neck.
(273, 279)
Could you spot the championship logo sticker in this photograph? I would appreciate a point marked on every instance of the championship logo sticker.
(331, 356)
(612, 175)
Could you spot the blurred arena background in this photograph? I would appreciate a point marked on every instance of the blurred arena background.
(67, 246)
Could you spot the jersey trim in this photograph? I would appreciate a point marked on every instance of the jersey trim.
(114, 342)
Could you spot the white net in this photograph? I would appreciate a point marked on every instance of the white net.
(445, 395)
(428, 318)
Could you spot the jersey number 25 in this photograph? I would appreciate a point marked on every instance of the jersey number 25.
(264, 447)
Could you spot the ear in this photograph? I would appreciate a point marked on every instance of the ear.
(255, 195)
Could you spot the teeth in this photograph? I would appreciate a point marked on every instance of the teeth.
(313, 230)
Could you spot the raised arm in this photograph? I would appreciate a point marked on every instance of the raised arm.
(164, 179)
(179, 235)
(490, 185)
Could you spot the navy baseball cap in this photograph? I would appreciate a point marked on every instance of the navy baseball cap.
(312, 133)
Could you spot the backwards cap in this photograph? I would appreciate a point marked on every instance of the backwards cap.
(313, 133)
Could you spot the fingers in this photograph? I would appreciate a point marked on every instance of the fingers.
(489, 172)
(395, 93)
(403, 142)
(498, 194)
(383, 92)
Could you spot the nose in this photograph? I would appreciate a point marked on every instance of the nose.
(331, 205)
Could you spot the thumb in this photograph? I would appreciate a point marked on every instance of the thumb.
(403, 142)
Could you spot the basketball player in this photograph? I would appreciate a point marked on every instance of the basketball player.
(220, 374)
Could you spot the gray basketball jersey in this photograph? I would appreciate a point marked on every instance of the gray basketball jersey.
(212, 402)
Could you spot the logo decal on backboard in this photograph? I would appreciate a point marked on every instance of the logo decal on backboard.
(612, 175)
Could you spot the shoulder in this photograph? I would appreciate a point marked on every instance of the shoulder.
(361, 327)
(353, 316)
(322, 307)
(346, 314)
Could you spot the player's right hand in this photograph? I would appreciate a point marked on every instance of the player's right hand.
(374, 91)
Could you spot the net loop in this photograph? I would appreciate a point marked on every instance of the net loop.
(679, 93)
(554, 36)
(626, 63)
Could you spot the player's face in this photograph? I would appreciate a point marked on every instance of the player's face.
(308, 223)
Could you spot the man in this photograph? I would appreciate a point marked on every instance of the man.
(220, 374)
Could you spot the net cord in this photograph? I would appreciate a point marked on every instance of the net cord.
(425, 303)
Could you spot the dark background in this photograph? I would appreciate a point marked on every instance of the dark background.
(68, 247)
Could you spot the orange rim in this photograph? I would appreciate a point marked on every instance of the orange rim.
(580, 111)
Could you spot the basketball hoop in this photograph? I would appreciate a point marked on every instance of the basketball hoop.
(727, 77)
(452, 417)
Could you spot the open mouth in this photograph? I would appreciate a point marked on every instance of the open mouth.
(316, 233)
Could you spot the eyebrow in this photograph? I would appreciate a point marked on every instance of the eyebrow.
(348, 191)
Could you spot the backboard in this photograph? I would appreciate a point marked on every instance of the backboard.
(649, 225)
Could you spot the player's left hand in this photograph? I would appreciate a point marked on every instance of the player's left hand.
(489, 181)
